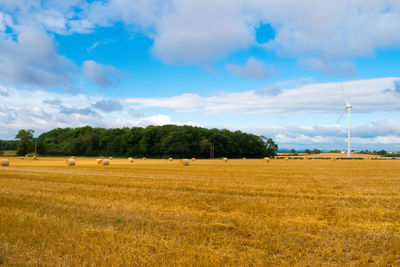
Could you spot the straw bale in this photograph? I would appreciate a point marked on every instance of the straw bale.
(185, 162)
(71, 162)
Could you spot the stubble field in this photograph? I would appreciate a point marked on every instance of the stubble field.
(240, 212)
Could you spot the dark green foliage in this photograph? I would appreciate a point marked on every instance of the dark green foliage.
(25, 144)
(154, 141)
(314, 151)
(8, 145)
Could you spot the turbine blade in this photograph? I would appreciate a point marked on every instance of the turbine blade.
(341, 115)
(345, 97)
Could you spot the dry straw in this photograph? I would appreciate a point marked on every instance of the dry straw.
(5, 162)
(21, 158)
(333, 159)
(71, 162)
(185, 162)
(106, 162)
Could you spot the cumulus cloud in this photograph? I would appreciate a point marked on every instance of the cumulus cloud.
(5, 21)
(192, 32)
(104, 76)
(108, 105)
(272, 91)
(396, 87)
(135, 113)
(327, 40)
(367, 95)
(375, 135)
(80, 111)
(32, 60)
(45, 110)
(196, 31)
(253, 69)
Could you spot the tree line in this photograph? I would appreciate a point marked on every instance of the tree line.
(8, 145)
(152, 141)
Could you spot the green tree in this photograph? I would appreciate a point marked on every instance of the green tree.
(25, 144)
(316, 151)
(271, 147)
(153, 141)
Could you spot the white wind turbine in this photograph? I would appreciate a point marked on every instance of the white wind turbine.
(348, 107)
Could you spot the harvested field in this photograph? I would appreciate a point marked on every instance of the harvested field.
(240, 212)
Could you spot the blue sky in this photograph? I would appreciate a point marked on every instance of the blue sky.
(264, 67)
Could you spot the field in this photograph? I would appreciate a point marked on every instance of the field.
(240, 212)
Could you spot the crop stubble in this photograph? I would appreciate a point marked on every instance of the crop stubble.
(241, 212)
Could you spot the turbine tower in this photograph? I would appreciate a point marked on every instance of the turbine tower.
(348, 107)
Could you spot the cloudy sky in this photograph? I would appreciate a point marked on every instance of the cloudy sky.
(272, 68)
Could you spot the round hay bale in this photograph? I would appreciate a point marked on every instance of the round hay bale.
(71, 162)
(72, 157)
(185, 162)
(5, 162)
(102, 157)
(266, 159)
(34, 158)
(333, 159)
(171, 159)
(110, 158)
(98, 161)
(21, 158)
(144, 158)
(193, 159)
(225, 159)
(130, 159)
(286, 159)
(244, 158)
(105, 162)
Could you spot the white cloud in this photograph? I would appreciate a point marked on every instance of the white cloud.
(108, 105)
(32, 60)
(192, 32)
(253, 69)
(196, 31)
(5, 21)
(44, 110)
(104, 76)
(375, 135)
(377, 95)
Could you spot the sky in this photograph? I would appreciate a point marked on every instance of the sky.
(272, 68)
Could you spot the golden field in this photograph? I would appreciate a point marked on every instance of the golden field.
(241, 212)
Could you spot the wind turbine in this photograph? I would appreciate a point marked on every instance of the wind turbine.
(348, 107)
